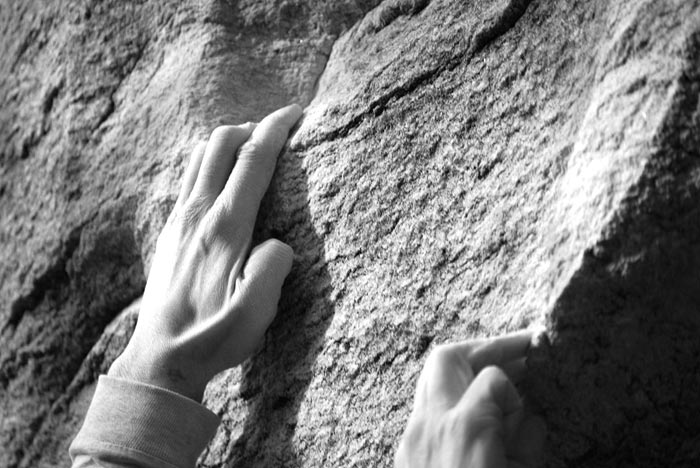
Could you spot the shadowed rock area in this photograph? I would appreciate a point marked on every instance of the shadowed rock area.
(462, 169)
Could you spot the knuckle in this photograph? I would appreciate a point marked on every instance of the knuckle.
(228, 136)
(273, 137)
(251, 150)
(442, 355)
(192, 212)
(221, 224)
(222, 132)
(189, 214)
(493, 374)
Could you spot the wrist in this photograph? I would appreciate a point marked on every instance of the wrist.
(159, 372)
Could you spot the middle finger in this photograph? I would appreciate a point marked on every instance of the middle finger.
(240, 199)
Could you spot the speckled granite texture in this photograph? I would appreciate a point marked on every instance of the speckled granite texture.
(462, 169)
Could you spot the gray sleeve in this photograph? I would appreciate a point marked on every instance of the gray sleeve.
(131, 424)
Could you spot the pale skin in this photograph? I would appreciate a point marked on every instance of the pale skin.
(210, 297)
(467, 412)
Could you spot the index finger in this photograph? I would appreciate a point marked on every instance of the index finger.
(499, 351)
(445, 377)
(255, 165)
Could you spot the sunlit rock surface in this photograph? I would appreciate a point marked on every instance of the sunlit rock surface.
(462, 169)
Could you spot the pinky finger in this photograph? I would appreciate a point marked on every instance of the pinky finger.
(191, 173)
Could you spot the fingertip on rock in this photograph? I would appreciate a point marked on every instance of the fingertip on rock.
(294, 112)
(540, 337)
(295, 108)
(284, 251)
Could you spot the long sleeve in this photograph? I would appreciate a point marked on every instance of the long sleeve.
(131, 424)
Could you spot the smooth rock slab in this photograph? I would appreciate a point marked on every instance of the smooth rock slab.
(462, 169)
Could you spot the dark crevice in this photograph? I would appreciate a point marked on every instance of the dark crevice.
(50, 98)
(131, 66)
(109, 110)
(97, 361)
(387, 12)
(117, 251)
(317, 80)
(53, 278)
(29, 39)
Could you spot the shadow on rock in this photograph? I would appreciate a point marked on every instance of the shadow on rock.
(619, 383)
(275, 380)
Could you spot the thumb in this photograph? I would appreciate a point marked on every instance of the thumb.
(493, 400)
(493, 407)
(492, 388)
(260, 284)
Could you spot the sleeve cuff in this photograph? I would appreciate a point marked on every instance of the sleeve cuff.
(130, 420)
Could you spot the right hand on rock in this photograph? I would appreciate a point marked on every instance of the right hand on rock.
(467, 413)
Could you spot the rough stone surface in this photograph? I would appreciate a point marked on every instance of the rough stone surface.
(462, 169)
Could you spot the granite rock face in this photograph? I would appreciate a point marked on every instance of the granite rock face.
(462, 169)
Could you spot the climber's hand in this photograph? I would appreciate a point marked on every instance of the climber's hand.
(209, 298)
(467, 413)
